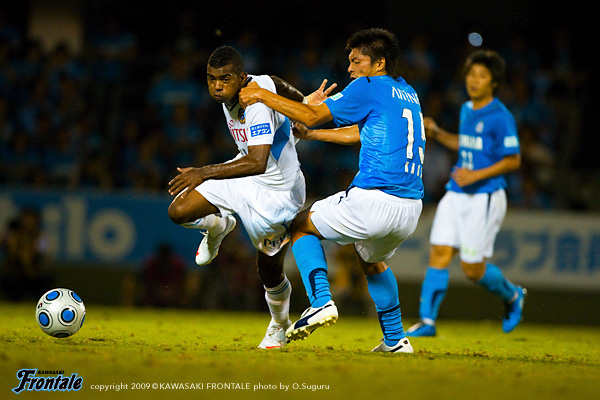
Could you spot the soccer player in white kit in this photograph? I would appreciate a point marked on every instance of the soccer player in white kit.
(263, 184)
(471, 212)
(381, 208)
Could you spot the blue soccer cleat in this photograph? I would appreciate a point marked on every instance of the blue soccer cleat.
(311, 319)
(421, 329)
(514, 311)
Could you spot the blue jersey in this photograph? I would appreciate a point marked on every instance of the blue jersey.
(388, 114)
(485, 137)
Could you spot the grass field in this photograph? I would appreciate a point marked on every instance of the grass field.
(213, 350)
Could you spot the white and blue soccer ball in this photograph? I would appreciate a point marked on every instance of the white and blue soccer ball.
(60, 313)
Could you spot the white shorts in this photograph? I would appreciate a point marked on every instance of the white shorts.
(376, 222)
(469, 222)
(266, 213)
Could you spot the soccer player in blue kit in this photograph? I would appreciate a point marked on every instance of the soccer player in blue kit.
(471, 212)
(381, 208)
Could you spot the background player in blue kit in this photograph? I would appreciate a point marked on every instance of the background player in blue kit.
(381, 208)
(471, 212)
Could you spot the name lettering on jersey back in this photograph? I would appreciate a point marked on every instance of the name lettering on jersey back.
(238, 134)
(470, 142)
(401, 94)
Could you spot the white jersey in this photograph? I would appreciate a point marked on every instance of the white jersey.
(258, 125)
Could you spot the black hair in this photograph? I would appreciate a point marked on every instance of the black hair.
(491, 60)
(378, 43)
(227, 55)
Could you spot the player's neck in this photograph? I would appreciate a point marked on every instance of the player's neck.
(234, 102)
(481, 102)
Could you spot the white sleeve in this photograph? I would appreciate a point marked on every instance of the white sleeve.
(260, 122)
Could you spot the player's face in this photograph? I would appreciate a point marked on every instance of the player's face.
(224, 83)
(360, 65)
(479, 83)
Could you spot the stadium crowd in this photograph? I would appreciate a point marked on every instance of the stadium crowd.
(114, 117)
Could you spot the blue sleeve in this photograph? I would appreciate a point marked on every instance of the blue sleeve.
(353, 104)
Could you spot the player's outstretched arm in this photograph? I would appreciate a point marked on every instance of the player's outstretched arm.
(307, 114)
(447, 139)
(346, 135)
(254, 163)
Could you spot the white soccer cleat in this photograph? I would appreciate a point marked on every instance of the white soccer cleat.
(275, 336)
(209, 246)
(403, 346)
(311, 319)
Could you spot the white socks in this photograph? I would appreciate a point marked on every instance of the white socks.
(212, 223)
(278, 299)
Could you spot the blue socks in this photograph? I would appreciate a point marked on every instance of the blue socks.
(383, 289)
(495, 282)
(312, 265)
(433, 291)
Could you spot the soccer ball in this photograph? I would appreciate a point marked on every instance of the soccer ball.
(60, 313)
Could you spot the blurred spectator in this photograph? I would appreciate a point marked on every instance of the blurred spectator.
(7, 126)
(8, 31)
(162, 281)
(149, 170)
(537, 170)
(250, 49)
(60, 158)
(25, 258)
(18, 160)
(7, 72)
(92, 172)
(348, 284)
(184, 135)
(421, 64)
(61, 66)
(176, 85)
(112, 50)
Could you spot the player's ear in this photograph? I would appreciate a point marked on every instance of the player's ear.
(380, 65)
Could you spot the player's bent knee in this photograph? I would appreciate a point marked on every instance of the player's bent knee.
(177, 213)
(473, 271)
(441, 256)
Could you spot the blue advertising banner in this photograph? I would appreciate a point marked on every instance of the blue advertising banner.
(101, 228)
(535, 249)
(557, 249)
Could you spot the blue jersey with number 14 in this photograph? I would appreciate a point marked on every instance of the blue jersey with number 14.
(486, 136)
(388, 114)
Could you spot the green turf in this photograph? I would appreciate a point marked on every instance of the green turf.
(468, 360)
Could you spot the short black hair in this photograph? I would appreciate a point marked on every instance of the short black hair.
(227, 55)
(378, 43)
(491, 60)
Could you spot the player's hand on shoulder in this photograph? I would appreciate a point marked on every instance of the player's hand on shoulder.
(249, 94)
(187, 180)
(321, 94)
